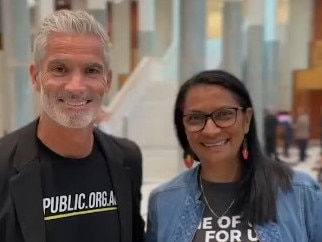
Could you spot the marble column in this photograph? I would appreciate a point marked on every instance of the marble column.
(2, 77)
(147, 20)
(43, 8)
(192, 40)
(232, 36)
(163, 25)
(255, 10)
(271, 57)
(17, 46)
(121, 43)
(98, 9)
(192, 44)
(297, 47)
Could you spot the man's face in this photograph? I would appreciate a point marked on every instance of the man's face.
(72, 79)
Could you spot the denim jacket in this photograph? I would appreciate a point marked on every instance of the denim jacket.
(175, 211)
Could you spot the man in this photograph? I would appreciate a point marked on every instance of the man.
(270, 133)
(60, 178)
(302, 132)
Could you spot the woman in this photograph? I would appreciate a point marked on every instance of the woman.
(236, 193)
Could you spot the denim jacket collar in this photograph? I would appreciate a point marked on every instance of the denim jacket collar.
(193, 210)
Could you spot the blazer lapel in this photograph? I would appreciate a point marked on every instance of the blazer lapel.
(121, 181)
(26, 193)
(26, 187)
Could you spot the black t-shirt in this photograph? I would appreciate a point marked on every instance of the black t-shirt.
(229, 227)
(79, 201)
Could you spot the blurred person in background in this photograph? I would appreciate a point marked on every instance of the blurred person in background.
(285, 119)
(270, 132)
(61, 179)
(236, 193)
(302, 132)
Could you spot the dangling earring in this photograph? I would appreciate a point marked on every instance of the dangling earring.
(245, 149)
(188, 158)
(188, 161)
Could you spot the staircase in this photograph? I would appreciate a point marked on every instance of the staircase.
(150, 125)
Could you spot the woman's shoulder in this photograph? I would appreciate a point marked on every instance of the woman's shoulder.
(305, 181)
(187, 179)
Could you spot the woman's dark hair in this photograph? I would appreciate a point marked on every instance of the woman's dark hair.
(262, 177)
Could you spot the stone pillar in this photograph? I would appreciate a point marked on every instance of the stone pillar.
(192, 56)
(43, 8)
(232, 35)
(163, 25)
(192, 43)
(282, 32)
(297, 50)
(254, 63)
(147, 21)
(83, 4)
(121, 43)
(271, 57)
(2, 77)
(98, 9)
(17, 45)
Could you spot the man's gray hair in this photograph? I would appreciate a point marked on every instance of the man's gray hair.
(68, 21)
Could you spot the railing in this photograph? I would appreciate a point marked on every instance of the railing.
(149, 69)
(170, 63)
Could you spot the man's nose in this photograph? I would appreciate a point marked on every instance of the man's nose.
(76, 84)
(211, 127)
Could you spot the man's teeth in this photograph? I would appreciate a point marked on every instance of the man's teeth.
(75, 103)
(220, 143)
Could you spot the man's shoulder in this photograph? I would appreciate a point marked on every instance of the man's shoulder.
(125, 143)
(9, 142)
(128, 148)
(8, 148)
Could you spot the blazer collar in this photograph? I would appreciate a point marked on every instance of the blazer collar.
(25, 186)
(121, 180)
(27, 191)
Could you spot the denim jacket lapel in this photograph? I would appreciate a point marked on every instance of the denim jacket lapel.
(191, 213)
(268, 233)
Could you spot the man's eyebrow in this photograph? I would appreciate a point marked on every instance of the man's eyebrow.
(95, 65)
(57, 61)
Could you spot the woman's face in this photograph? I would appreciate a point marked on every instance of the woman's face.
(213, 143)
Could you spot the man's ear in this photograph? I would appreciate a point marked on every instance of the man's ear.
(109, 77)
(35, 77)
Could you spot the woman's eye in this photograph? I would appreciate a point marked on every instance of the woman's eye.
(225, 115)
(196, 118)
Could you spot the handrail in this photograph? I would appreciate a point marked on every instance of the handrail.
(170, 62)
(127, 86)
(123, 102)
(149, 69)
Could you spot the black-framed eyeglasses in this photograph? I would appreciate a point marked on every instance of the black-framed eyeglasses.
(223, 118)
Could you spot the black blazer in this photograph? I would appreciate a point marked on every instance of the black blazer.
(21, 213)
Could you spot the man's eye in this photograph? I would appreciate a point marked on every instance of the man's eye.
(93, 71)
(59, 69)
